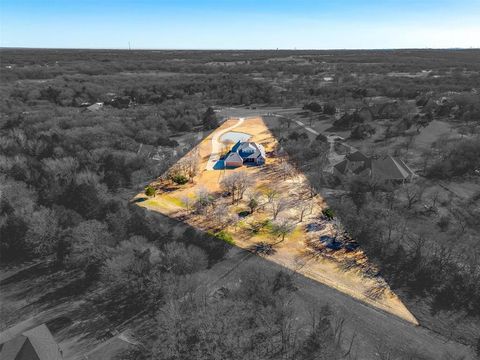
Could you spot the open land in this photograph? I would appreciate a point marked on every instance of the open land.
(293, 252)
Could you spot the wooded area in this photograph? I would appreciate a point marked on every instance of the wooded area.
(67, 174)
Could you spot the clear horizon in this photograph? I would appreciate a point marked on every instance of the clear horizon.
(240, 25)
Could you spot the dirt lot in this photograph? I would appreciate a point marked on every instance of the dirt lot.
(292, 252)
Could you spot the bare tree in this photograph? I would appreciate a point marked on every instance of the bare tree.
(460, 218)
(277, 205)
(220, 215)
(187, 201)
(271, 194)
(282, 228)
(204, 199)
(304, 205)
(187, 166)
(236, 184)
(192, 164)
(413, 194)
(286, 169)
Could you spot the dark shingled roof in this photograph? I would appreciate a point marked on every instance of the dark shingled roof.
(357, 156)
(34, 344)
(341, 166)
(389, 168)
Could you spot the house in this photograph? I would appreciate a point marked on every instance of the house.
(95, 107)
(246, 152)
(390, 169)
(386, 169)
(34, 344)
(366, 114)
(356, 163)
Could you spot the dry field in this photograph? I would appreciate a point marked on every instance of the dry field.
(301, 250)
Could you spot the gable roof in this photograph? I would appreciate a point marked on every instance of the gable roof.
(245, 146)
(10, 349)
(38, 339)
(95, 107)
(233, 156)
(341, 166)
(385, 168)
(236, 146)
(257, 149)
(357, 156)
(389, 168)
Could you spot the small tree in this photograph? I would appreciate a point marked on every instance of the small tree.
(187, 201)
(328, 213)
(236, 184)
(413, 194)
(358, 188)
(329, 109)
(252, 204)
(220, 215)
(150, 191)
(313, 106)
(209, 119)
(179, 179)
(223, 235)
(204, 200)
(282, 228)
(286, 169)
(443, 223)
(271, 194)
(277, 205)
(303, 206)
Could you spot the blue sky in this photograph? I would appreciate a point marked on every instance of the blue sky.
(247, 24)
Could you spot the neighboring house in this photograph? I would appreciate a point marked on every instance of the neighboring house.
(245, 153)
(95, 107)
(366, 114)
(34, 344)
(146, 150)
(355, 163)
(390, 169)
(385, 169)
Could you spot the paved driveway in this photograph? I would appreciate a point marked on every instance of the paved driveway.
(217, 146)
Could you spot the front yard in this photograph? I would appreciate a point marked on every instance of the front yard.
(276, 215)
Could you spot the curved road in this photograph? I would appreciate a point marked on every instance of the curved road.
(217, 146)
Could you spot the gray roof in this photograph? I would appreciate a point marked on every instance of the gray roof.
(38, 340)
(341, 166)
(256, 149)
(389, 168)
(385, 168)
(95, 107)
(233, 156)
(357, 156)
